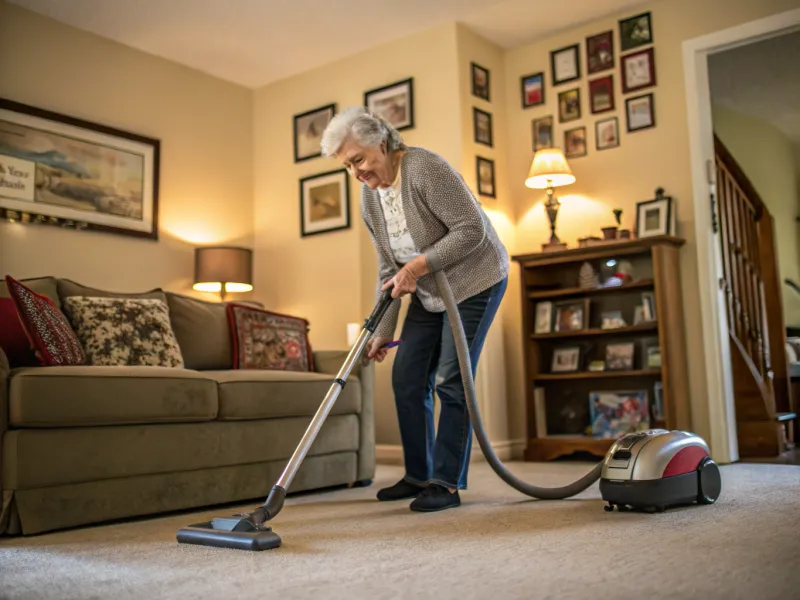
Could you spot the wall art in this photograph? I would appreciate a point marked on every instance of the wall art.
(480, 81)
(308, 129)
(600, 52)
(324, 202)
(393, 102)
(565, 64)
(532, 87)
(484, 168)
(635, 31)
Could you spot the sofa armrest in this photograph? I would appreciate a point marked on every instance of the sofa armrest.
(329, 362)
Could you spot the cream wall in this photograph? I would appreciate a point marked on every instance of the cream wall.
(205, 128)
(767, 158)
(645, 160)
(330, 278)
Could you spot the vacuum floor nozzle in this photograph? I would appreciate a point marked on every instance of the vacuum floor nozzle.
(237, 532)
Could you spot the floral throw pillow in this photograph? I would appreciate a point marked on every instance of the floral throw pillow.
(124, 331)
(50, 334)
(266, 340)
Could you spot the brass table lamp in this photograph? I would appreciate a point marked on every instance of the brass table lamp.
(549, 169)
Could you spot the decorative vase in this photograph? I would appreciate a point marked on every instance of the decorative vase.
(625, 234)
(609, 233)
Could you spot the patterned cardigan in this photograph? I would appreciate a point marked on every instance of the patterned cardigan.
(447, 225)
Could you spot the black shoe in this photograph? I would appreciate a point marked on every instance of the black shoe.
(435, 497)
(399, 491)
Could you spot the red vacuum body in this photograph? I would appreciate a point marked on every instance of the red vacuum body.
(657, 469)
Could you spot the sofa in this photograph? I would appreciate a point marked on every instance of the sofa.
(94, 443)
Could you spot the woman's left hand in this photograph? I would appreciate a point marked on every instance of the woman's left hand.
(404, 282)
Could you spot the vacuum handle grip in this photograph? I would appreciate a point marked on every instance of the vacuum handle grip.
(380, 309)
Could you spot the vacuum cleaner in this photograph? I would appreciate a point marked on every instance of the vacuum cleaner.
(648, 470)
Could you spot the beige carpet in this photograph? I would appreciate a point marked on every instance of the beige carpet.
(498, 544)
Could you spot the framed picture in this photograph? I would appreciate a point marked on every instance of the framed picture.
(565, 64)
(480, 81)
(532, 87)
(575, 142)
(606, 133)
(640, 112)
(612, 319)
(566, 359)
(572, 315)
(600, 52)
(638, 70)
(656, 216)
(542, 133)
(308, 129)
(569, 105)
(64, 171)
(324, 202)
(482, 122)
(616, 413)
(393, 102)
(544, 317)
(619, 356)
(635, 31)
(484, 167)
(601, 94)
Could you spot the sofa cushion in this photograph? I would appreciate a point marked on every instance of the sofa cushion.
(202, 331)
(263, 339)
(124, 331)
(260, 394)
(35, 458)
(13, 339)
(67, 288)
(48, 330)
(45, 286)
(84, 396)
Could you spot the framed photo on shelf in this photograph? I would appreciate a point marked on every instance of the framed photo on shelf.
(542, 133)
(480, 81)
(484, 168)
(482, 123)
(394, 102)
(565, 64)
(324, 202)
(572, 315)
(308, 129)
(640, 112)
(638, 70)
(620, 356)
(635, 31)
(575, 142)
(601, 94)
(569, 105)
(543, 322)
(566, 359)
(656, 216)
(64, 171)
(532, 89)
(600, 52)
(606, 133)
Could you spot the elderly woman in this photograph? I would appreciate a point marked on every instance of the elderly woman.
(423, 218)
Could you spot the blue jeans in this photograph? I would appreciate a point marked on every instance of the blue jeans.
(427, 358)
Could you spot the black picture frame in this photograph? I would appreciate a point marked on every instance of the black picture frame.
(335, 223)
(528, 96)
(564, 114)
(579, 133)
(479, 90)
(540, 126)
(649, 99)
(480, 137)
(401, 121)
(103, 212)
(316, 118)
(482, 191)
(574, 49)
(600, 52)
(635, 31)
(598, 138)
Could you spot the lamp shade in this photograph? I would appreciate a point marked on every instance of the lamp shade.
(218, 265)
(549, 167)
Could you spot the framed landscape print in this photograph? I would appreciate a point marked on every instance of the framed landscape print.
(601, 94)
(308, 129)
(569, 105)
(575, 142)
(485, 170)
(324, 202)
(532, 89)
(482, 122)
(393, 102)
(542, 133)
(64, 171)
(480, 81)
(635, 31)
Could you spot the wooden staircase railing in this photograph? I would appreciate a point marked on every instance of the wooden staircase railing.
(751, 284)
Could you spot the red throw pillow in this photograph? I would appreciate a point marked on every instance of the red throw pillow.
(13, 339)
(47, 328)
(266, 340)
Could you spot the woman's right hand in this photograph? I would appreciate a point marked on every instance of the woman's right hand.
(375, 348)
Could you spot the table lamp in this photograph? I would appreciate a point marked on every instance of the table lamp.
(223, 269)
(549, 169)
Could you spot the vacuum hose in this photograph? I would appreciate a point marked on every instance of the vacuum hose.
(469, 388)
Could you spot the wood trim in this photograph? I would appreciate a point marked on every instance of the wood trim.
(736, 171)
(634, 246)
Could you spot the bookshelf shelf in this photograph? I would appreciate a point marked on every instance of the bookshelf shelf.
(635, 329)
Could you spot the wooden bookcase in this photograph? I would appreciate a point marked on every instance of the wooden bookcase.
(554, 277)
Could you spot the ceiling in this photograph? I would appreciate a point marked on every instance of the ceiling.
(761, 80)
(255, 42)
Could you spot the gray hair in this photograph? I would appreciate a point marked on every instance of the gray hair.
(367, 128)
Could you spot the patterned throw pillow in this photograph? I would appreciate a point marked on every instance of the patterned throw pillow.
(124, 331)
(48, 330)
(266, 340)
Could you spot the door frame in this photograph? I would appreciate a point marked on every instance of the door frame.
(716, 344)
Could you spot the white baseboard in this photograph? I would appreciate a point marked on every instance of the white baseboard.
(392, 454)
